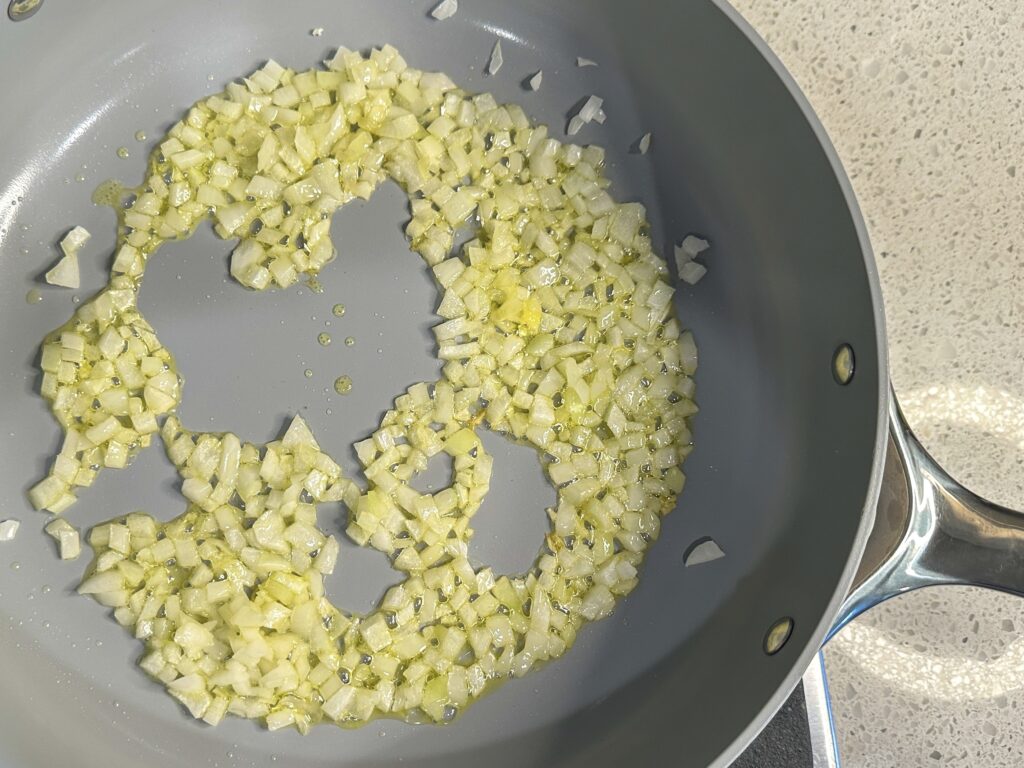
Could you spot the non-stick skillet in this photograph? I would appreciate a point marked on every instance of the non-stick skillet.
(793, 454)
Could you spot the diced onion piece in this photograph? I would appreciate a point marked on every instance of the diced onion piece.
(597, 603)
(9, 529)
(590, 108)
(644, 144)
(587, 113)
(445, 9)
(496, 60)
(536, 80)
(704, 551)
(691, 272)
(73, 241)
(582, 62)
(67, 538)
(65, 273)
(693, 245)
(688, 353)
(682, 257)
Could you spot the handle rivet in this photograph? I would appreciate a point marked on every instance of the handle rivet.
(843, 364)
(778, 635)
(19, 10)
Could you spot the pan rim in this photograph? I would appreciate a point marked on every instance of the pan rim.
(873, 490)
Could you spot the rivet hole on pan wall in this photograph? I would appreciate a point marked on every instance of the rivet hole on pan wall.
(778, 635)
(843, 364)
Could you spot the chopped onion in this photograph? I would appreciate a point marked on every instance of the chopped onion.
(9, 529)
(557, 331)
(693, 245)
(66, 535)
(536, 80)
(317, 31)
(582, 62)
(445, 9)
(73, 241)
(588, 112)
(703, 551)
(691, 272)
(644, 144)
(496, 60)
(65, 273)
(590, 108)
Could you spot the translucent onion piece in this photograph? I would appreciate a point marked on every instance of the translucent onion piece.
(496, 60)
(65, 273)
(73, 241)
(9, 529)
(691, 272)
(693, 245)
(445, 9)
(704, 551)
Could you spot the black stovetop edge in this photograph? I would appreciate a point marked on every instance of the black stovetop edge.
(785, 742)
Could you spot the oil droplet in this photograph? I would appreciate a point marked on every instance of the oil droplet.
(329, 412)
(325, 339)
(80, 177)
(380, 351)
(315, 285)
(343, 385)
(338, 310)
(33, 296)
(140, 135)
(308, 373)
(122, 152)
(45, 589)
(46, 625)
(350, 341)
(15, 566)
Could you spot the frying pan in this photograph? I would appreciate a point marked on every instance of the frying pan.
(790, 464)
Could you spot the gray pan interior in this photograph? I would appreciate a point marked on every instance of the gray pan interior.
(786, 459)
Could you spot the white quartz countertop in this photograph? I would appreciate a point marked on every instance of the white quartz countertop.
(924, 100)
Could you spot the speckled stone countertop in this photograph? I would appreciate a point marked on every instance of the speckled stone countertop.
(924, 100)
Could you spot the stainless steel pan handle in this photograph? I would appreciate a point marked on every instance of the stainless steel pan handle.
(931, 530)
